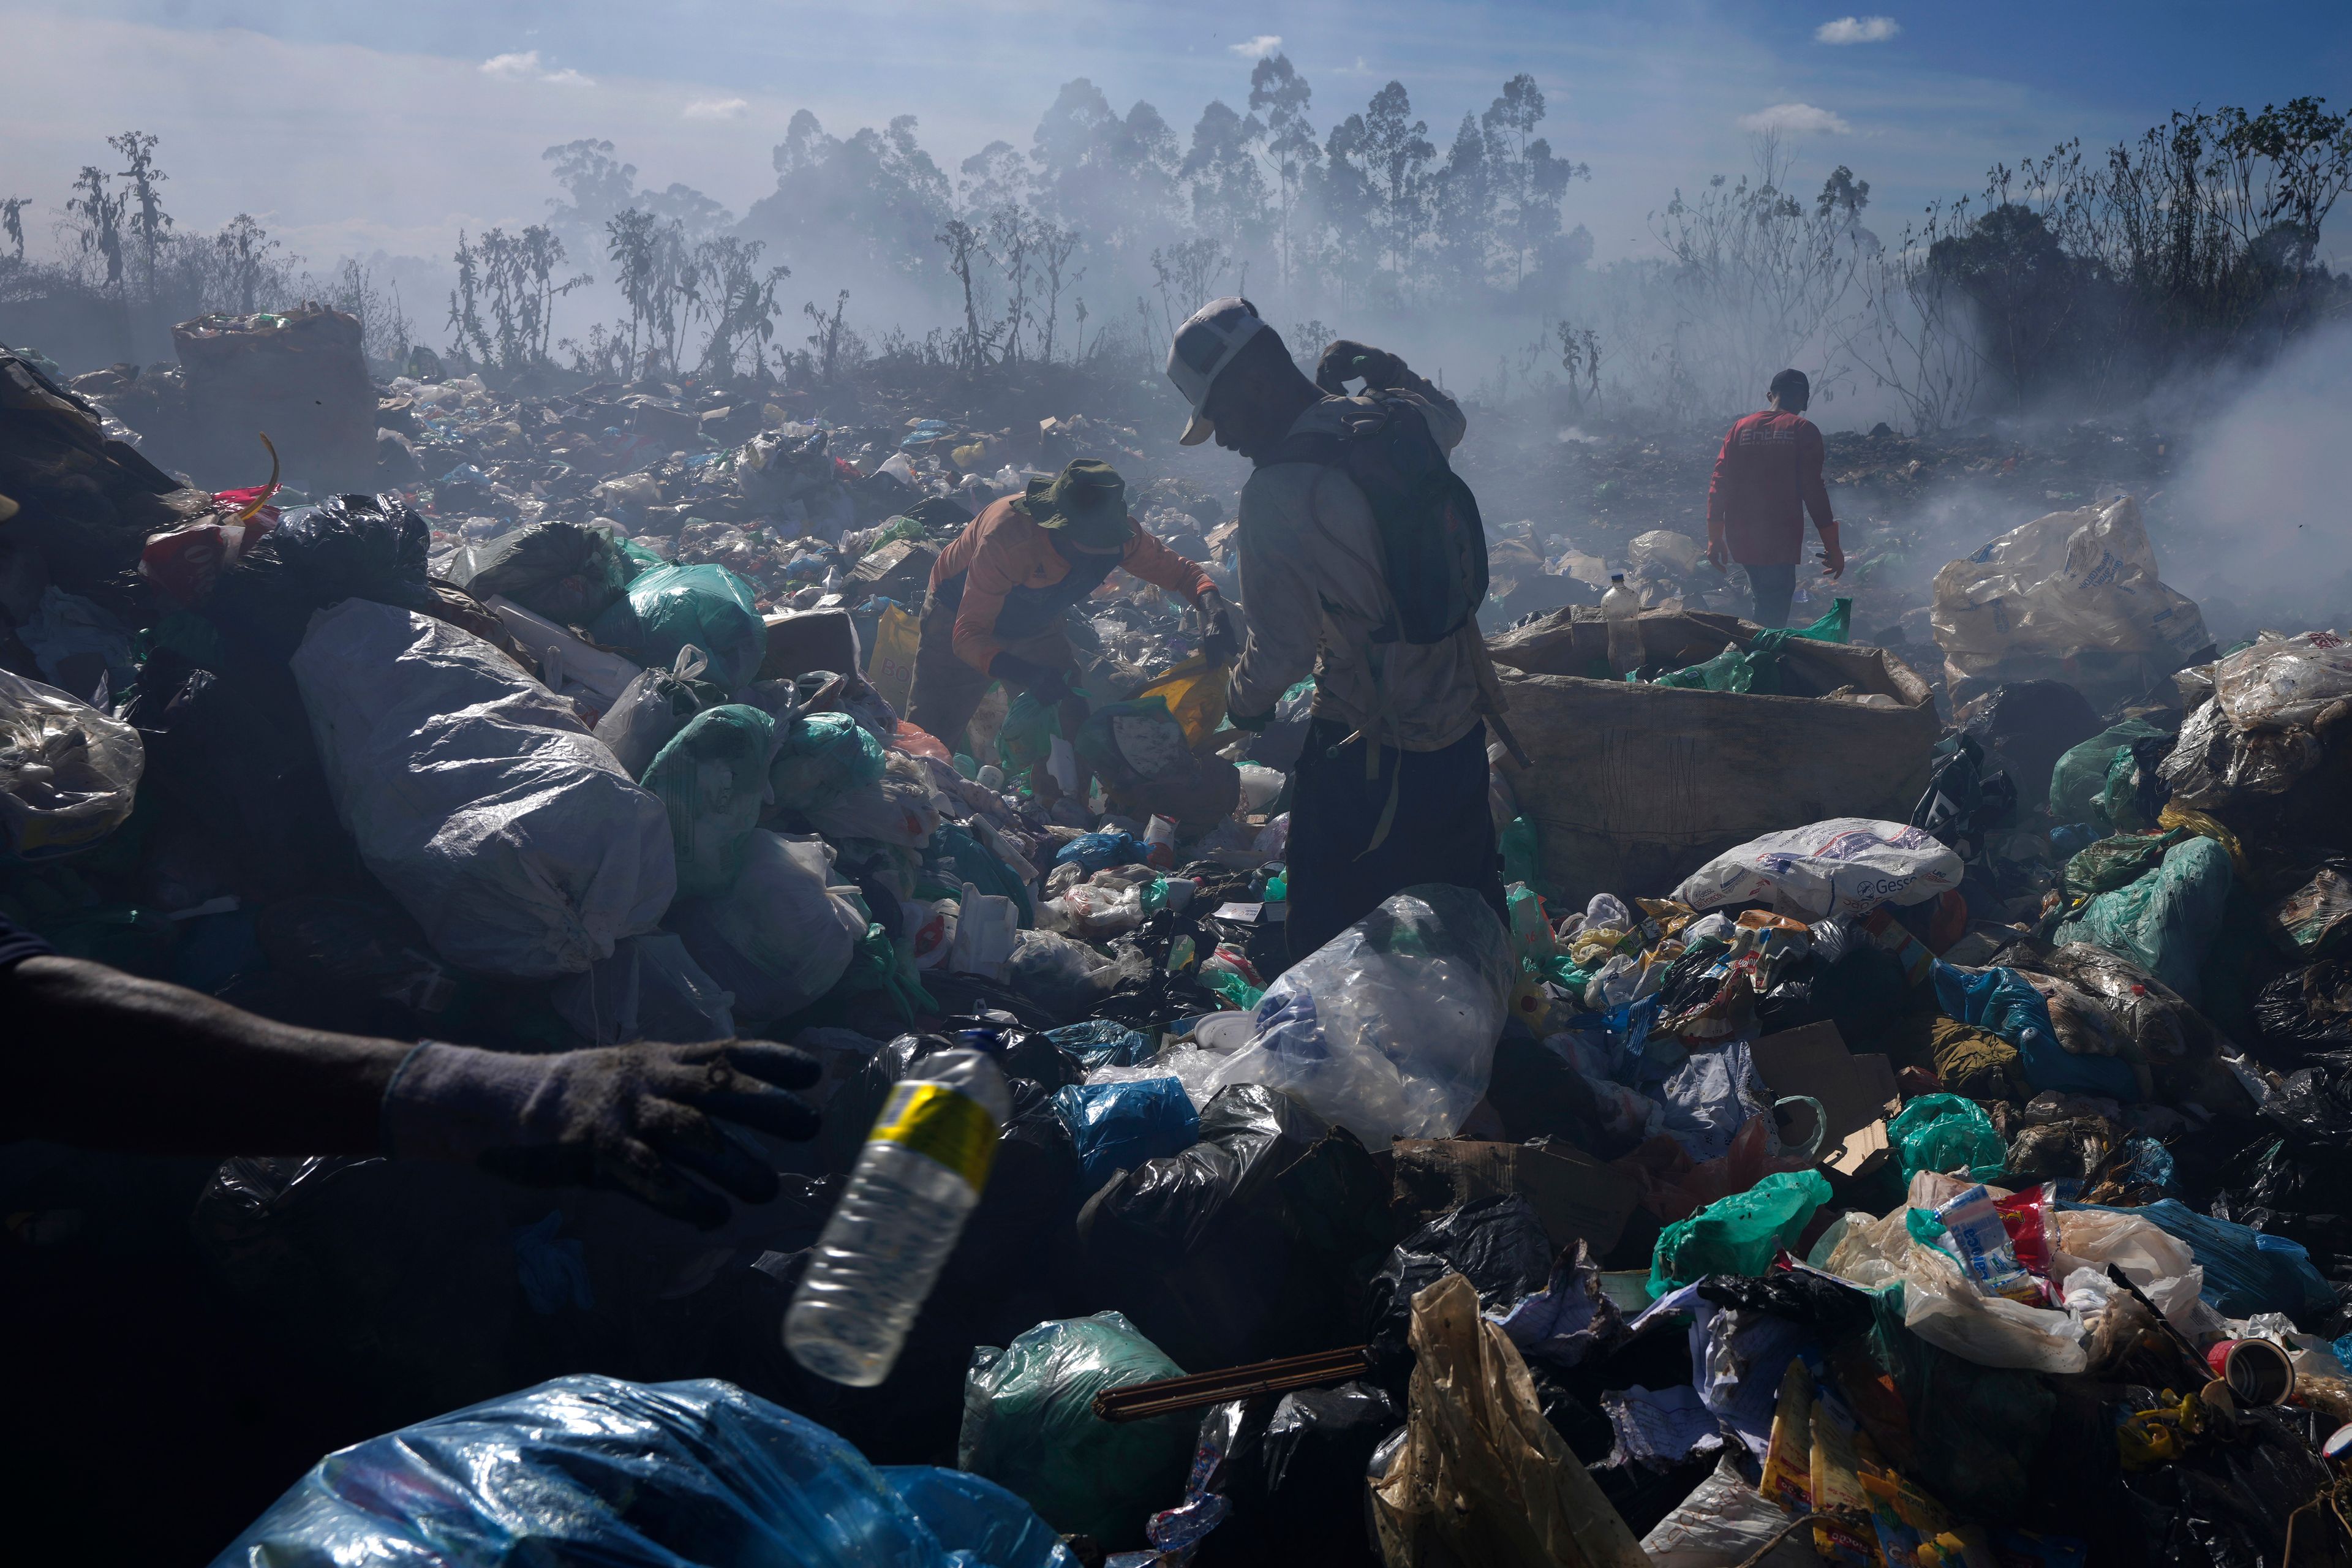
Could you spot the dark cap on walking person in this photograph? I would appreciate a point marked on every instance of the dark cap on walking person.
(1085, 504)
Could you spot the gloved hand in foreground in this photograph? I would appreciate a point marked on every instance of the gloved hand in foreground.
(1348, 359)
(635, 1117)
(1048, 683)
(1218, 640)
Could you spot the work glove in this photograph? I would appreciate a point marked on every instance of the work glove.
(1218, 640)
(1349, 359)
(635, 1117)
(1048, 684)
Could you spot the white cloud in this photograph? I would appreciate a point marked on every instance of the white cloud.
(1857, 30)
(1257, 49)
(525, 67)
(717, 108)
(1795, 119)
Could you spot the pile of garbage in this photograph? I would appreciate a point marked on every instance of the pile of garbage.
(1857, 1136)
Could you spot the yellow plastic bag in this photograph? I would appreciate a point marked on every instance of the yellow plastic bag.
(1194, 691)
(891, 671)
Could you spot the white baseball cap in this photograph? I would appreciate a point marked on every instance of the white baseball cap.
(1207, 342)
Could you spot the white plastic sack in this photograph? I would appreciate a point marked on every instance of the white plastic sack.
(476, 795)
(1662, 551)
(567, 665)
(780, 937)
(1389, 1028)
(2159, 1263)
(650, 989)
(68, 774)
(1725, 1521)
(1845, 866)
(2034, 603)
(1942, 1306)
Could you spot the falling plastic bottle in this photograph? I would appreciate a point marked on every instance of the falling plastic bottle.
(916, 1182)
(1621, 607)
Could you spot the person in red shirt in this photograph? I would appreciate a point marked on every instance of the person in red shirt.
(1000, 596)
(1766, 478)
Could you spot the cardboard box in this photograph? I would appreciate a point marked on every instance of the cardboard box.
(1857, 1093)
(1575, 1197)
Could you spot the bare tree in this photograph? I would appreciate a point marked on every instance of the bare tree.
(1057, 245)
(1916, 333)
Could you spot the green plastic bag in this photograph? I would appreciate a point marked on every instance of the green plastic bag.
(1739, 1234)
(1522, 848)
(2116, 862)
(670, 607)
(1026, 737)
(712, 778)
(2166, 920)
(1029, 1426)
(2081, 777)
(1757, 670)
(821, 757)
(1945, 1133)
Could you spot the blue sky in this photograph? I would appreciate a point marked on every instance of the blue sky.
(354, 127)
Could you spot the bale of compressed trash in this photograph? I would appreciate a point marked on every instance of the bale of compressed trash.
(302, 376)
(1639, 785)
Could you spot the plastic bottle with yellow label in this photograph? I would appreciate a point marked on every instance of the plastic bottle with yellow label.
(915, 1182)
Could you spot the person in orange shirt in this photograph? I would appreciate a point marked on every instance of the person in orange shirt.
(1001, 595)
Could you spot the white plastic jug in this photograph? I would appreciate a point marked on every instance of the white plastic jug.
(986, 928)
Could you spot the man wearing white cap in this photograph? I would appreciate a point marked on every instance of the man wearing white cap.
(1391, 788)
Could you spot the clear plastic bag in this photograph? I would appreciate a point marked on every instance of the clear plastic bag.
(2166, 920)
(650, 989)
(2282, 682)
(68, 774)
(1389, 1029)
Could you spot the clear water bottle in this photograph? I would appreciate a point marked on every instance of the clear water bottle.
(1620, 607)
(916, 1182)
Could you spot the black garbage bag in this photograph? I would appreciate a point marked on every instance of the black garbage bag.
(1829, 1307)
(1292, 1478)
(1498, 1244)
(1963, 802)
(348, 547)
(232, 756)
(568, 573)
(2305, 1011)
(2226, 1504)
(1253, 1243)
(1977, 1431)
(2026, 726)
(1536, 1092)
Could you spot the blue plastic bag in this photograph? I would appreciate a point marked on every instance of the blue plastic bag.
(972, 1513)
(1100, 851)
(2246, 1270)
(1118, 1126)
(2005, 1003)
(624, 1475)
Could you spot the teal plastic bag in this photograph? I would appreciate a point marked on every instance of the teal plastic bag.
(2166, 920)
(1739, 1234)
(1030, 1427)
(2081, 776)
(670, 607)
(1757, 669)
(821, 757)
(1026, 737)
(1945, 1133)
(712, 778)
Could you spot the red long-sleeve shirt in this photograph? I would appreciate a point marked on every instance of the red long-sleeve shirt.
(1767, 474)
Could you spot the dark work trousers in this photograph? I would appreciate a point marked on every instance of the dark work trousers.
(1441, 831)
(1773, 587)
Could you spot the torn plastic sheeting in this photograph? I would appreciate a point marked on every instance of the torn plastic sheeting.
(1723, 1524)
(2166, 920)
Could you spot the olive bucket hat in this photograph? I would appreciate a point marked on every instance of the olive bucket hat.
(1085, 502)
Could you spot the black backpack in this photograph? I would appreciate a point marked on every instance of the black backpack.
(1432, 541)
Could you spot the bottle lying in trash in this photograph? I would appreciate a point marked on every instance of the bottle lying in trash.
(916, 1182)
(1618, 607)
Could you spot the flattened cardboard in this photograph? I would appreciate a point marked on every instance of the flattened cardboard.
(1575, 1197)
(1857, 1093)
